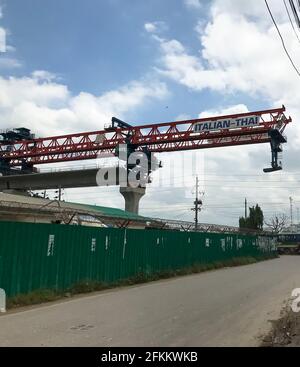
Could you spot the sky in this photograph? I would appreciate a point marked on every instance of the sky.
(70, 65)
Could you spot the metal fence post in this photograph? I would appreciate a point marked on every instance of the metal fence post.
(2, 300)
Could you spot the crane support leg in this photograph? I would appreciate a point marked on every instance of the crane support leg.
(276, 140)
(132, 198)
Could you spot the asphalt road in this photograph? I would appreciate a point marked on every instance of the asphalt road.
(228, 307)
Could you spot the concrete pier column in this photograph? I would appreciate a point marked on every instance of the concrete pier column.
(132, 198)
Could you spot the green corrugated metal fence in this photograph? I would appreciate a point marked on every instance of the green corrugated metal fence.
(35, 256)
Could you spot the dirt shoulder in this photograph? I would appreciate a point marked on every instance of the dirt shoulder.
(285, 331)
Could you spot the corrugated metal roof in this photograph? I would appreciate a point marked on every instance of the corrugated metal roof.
(105, 211)
(113, 212)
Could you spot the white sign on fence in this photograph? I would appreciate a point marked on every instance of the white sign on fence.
(2, 300)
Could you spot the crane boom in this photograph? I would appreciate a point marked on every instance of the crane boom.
(158, 137)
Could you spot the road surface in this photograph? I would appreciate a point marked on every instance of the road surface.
(227, 307)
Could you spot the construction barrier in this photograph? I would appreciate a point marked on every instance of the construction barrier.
(50, 256)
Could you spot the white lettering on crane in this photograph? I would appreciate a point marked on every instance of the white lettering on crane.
(246, 121)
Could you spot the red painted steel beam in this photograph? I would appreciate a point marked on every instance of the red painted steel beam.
(160, 137)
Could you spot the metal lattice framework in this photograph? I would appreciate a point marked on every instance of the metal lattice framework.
(159, 137)
(203, 227)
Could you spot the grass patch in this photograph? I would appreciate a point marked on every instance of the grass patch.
(89, 286)
(33, 298)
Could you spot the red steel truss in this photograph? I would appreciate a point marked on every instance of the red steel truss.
(159, 137)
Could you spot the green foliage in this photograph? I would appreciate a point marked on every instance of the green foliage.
(255, 219)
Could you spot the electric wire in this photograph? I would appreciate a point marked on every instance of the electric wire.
(282, 40)
(292, 23)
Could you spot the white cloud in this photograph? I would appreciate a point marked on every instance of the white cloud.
(48, 107)
(187, 69)
(250, 9)
(231, 110)
(194, 4)
(238, 54)
(150, 27)
(155, 27)
(241, 52)
(43, 75)
(183, 117)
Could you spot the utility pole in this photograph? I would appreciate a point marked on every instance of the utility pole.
(197, 204)
(298, 216)
(291, 209)
(246, 208)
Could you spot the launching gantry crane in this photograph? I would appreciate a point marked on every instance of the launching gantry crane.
(20, 154)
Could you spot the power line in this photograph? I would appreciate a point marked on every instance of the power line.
(225, 205)
(254, 175)
(294, 10)
(97, 195)
(181, 213)
(282, 40)
(221, 181)
(221, 185)
(288, 13)
(249, 181)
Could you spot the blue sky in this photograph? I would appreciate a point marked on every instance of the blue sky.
(96, 46)
(79, 39)
(73, 64)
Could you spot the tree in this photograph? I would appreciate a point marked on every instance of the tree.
(277, 223)
(255, 219)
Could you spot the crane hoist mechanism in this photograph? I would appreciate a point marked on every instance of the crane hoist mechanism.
(20, 151)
